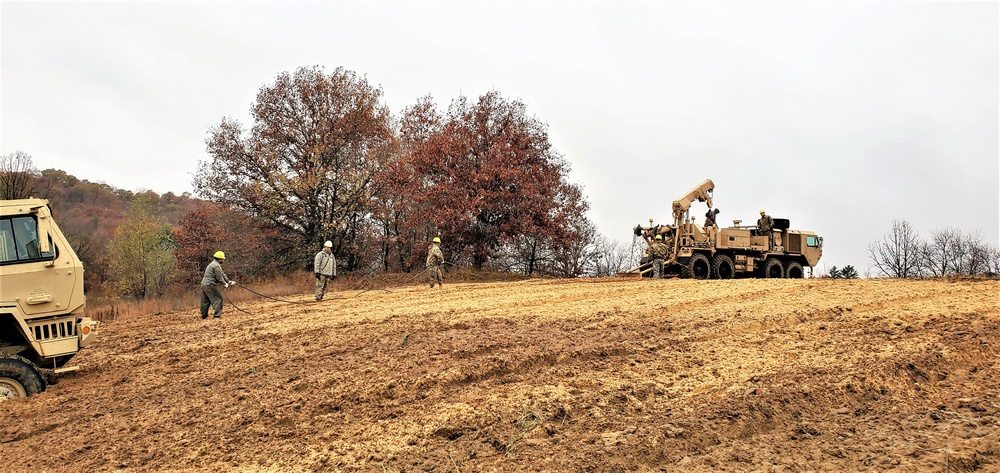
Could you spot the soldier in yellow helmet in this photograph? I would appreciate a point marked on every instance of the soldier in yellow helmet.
(435, 263)
(210, 282)
(659, 252)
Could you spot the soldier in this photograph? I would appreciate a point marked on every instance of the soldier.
(325, 267)
(764, 227)
(659, 253)
(435, 263)
(210, 282)
(710, 217)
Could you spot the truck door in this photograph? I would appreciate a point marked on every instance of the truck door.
(30, 272)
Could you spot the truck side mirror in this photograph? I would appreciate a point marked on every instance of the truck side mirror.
(44, 232)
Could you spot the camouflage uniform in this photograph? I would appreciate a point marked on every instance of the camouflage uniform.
(659, 251)
(435, 262)
(325, 267)
(765, 226)
(710, 217)
(210, 294)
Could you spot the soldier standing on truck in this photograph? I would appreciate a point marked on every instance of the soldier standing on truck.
(659, 251)
(764, 226)
(710, 217)
(435, 262)
(214, 277)
(325, 267)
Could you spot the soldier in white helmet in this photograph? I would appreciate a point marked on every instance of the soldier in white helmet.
(325, 267)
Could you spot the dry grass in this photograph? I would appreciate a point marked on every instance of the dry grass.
(102, 307)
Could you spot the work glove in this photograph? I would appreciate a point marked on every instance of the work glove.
(231, 283)
(317, 275)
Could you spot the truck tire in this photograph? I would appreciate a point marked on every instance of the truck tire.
(773, 268)
(794, 270)
(699, 267)
(18, 378)
(722, 267)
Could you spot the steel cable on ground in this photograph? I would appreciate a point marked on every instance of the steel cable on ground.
(226, 293)
(284, 300)
(415, 276)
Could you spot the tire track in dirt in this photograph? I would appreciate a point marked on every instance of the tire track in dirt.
(565, 375)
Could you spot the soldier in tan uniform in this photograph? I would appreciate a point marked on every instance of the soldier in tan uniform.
(765, 226)
(659, 251)
(710, 217)
(210, 282)
(325, 267)
(435, 263)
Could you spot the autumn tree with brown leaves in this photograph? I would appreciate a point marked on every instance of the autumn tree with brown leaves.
(485, 177)
(308, 164)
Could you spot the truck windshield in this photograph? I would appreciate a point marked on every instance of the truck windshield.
(19, 241)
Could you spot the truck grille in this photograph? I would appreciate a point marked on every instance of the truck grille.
(54, 330)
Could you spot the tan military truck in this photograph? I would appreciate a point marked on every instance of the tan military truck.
(724, 253)
(41, 300)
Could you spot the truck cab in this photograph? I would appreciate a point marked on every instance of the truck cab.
(42, 322)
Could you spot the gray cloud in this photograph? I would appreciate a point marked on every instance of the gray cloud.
(839, 116)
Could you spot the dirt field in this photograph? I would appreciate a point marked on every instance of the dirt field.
(540, 375)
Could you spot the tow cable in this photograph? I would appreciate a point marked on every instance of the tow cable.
(226, 293)
(415, 276)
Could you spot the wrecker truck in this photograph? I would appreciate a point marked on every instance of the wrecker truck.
(725, 253)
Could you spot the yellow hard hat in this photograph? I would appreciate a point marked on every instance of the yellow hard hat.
(437, 240)
(659, 237)
(761, 210)
(220, 255)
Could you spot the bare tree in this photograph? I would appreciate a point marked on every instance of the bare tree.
(994, 262)
(972, 254)
(939, 253)
(898, 253)
(18, 176)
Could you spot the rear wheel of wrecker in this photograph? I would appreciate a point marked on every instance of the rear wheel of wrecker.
(794, 270)
(722, 267)
(698, 267)
(773, 268)
(18, 378)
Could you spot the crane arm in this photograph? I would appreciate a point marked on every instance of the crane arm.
(702, 193)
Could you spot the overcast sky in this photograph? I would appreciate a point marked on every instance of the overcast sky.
(839, 116)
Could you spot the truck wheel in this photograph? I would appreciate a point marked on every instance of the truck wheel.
(698, 267)
(773, 268)
(18, 378)
(794, 270)
(722, 267)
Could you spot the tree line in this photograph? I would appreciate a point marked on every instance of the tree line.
(325, 159)
(902, 253)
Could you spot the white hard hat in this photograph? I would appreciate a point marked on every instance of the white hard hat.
(328, 244)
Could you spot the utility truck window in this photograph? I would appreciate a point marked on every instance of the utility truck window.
(19, 240)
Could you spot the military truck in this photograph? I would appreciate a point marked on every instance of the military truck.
(725, 253)
(42, 323)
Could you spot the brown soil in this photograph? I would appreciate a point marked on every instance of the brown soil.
(540, 375)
